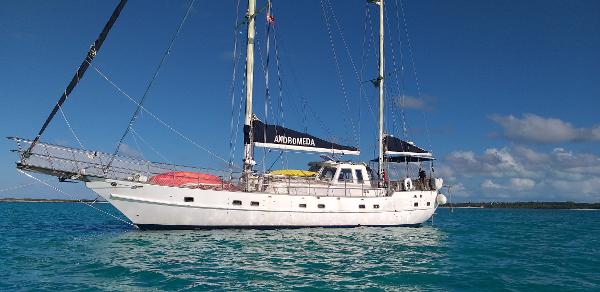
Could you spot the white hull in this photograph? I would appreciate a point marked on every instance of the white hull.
(161, 207)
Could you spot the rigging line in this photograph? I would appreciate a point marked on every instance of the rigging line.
(358, 79)
(235, 59)
(401, 75)
(139, 149)
(266, 101)
(410, 50)
(391, 110)
(75, 198)
(267, 89)
(137, 145)
(284, 161)
(91, 54)
(275, 161)
(338, 69)
(365, 53)
(157, 118)
(17, 186)
(279, 80)
(369, 23)
(394, 98)
(135, 133)
(162, 61)
(305, 105)
(389, 96)
(69, 126)
(239, 117)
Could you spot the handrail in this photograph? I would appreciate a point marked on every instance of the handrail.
(73, 163)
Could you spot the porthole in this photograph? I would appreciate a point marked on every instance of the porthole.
(302, 205)
(188, 199)
(361, 206)
(416, 204)
(237, 202)
(376, 206)
(254, 203)
(321, 206)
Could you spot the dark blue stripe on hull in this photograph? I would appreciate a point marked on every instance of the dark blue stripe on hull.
(260, 227)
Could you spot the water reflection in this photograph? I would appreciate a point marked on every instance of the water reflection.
(348, 258)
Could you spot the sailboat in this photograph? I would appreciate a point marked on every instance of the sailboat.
(331, 193)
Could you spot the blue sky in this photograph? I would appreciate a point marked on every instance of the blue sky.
(509, 89)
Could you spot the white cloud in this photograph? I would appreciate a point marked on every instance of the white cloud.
(585, 187)
(514, 184)
(489, 184)
(521, 173)
(530, 155)
(494, 162)
(521, 184)
(537, 129)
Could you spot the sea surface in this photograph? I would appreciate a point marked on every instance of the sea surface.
(69, 246)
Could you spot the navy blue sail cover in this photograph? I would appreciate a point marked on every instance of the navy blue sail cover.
(278, 137)
(394, 145)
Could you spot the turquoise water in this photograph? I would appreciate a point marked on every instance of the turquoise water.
(56, 246)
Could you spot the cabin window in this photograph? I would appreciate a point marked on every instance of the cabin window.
(188, 199)
(359, 176)
(321, 206)
(361, 206)
(237, 202)
(302, 205)
(345, 175)
(428, 203)
(327, 173)
(376, 206)
(254, 204)
(416, 204)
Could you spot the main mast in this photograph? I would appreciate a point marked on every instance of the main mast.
(380, 85)
(248, 155)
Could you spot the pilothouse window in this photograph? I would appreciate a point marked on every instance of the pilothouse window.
(345, 175)
(327, 173)
(359, 176)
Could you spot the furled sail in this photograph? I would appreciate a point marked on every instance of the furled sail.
(278, 137)
(401, 151)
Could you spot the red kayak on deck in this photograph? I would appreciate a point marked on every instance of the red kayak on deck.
(185, 178)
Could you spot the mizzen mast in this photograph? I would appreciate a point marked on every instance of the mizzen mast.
(248, 155)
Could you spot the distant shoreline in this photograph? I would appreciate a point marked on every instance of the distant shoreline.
(526, 205)
(30, 200)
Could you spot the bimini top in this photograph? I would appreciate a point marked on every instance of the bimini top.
(397, 150)
(274, 136)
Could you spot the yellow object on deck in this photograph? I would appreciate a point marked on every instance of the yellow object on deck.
(293, 172)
